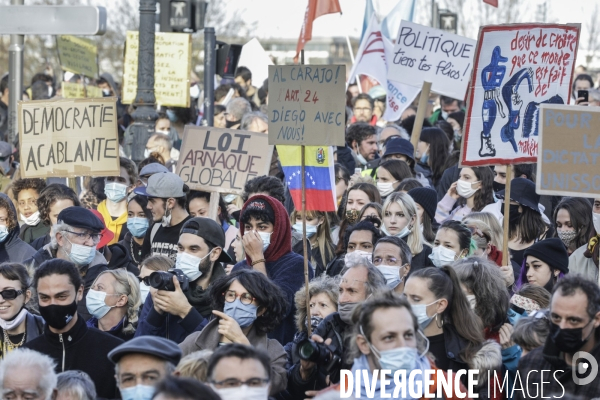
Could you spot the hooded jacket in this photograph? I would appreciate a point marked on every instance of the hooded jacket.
(284, 267)
(119, 258)
(13, 249)
(83, 349)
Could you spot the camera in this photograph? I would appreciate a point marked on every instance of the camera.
(319, 353)
(163, 280)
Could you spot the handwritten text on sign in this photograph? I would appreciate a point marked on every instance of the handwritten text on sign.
(68, 138)
(424, 54)
(172, 66)
(517, 68)
(72, 90)
(305, 106)
(569, 156)
(222, 160)
(78, 55)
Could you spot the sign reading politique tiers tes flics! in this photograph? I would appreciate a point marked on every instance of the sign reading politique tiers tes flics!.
(68, 138)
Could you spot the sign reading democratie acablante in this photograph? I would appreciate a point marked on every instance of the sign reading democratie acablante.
(222, 160)
(304, 105)
(423, 54)
(568, 161)
(68, 138)
(517, 69)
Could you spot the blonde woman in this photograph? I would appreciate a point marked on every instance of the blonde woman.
(400, 219)
(318, 233)
(491, 221)
(114, 303)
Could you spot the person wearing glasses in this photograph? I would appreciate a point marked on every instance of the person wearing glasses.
(12, 248)
(75, 236)
(392, 258)
(240, 372)
(17, 324)
(247, 306)
(114, 302)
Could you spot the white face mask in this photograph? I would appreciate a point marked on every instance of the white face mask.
(32, 220)
(360, 157)
(391, 274)
(385, 188)
(190, 264)
(441, 256)
(596, 219)
(420, 311)
(166, 219)
(465, 188)
(243, 392)
(445, 115)
(266, 239)
(472, 301)
(349, 257)
(144, 291)
(402, 234)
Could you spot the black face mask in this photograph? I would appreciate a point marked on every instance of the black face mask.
(515, 215)
(498, 186)
(229, 124)
(58, 316)
(568, 340)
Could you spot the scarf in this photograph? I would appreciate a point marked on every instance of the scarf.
(593, 249)
(200, 298)
(112, 225)
(495, 256)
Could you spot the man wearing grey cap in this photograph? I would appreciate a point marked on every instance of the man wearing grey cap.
(166, 194)
(148, 170)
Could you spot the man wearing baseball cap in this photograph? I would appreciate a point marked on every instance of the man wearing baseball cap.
(166, 194)
(199, 257)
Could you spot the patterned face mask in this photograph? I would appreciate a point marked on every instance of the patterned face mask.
(567, 237)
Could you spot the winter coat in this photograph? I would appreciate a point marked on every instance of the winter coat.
(120, 258)
(84, 349)
(13, 249)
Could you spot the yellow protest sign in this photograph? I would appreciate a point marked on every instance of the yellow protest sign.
(172, 67)
(68, 138)
(72, 90)
(78, 55)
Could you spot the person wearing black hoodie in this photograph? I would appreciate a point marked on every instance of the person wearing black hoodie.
(12, 248)
(67, 339)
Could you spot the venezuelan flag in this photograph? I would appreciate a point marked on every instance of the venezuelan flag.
(320, 176)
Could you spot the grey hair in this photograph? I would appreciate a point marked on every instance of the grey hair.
(77, 384)
(530, 332)
(169, 369)
(58, 227)
(323, 284)
(401, 131)
(195, 365)
(31, 360)
(249, 118)
(375, 279)
(238, 107)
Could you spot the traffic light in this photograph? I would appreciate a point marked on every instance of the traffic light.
(228, 56)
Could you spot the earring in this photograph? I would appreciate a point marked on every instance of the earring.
(437, 323)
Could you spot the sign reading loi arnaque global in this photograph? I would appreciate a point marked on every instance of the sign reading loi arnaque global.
(68, 138)
(222, 160)
(305, 106)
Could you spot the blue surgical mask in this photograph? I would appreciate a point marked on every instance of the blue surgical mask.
(144, 291)
(311, 230)
(80, 254)
(245, 315)
(96, 304)
(391, 275)
(190, 265)
(424, 158)
(398, 359)
(138, 392)
(420, 311)
(3, 233)
(266, 239)
(229, 198)
(172, 116)
(514, 317)
(137, 226)
(115, 191)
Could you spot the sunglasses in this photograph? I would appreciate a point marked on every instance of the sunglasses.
(11, 294)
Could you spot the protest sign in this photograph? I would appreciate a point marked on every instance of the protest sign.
(222, 160)
(77, 55)
(72, 90)
(423, 54)
(172, 67)
(517, 68)
(306, 105)
(569, 151)
(68, 138)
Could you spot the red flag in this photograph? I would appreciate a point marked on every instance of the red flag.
(491, 2)
(314, 10)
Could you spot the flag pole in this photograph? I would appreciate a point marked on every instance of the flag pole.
(506, 226)
(304, 241)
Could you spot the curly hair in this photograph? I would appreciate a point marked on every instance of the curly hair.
(10, 212)
(50, 195)
(264, 184)
(36, 184)
(269, 297)
(323, 284)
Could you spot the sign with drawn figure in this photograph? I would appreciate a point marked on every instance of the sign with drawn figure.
(222, 160)
(569, 156)
(305, 106)
(69, 138)
(424, 54)
(517, 68)
(172, 66)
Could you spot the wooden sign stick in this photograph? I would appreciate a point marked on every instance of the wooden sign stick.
(416, 132)
(505, 225)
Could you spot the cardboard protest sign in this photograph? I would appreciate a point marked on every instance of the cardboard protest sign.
(424, 54)
(306, 105)
(222, 160)
(172, 67)
(78, 55)
(72, 90)
(68, 138)
(517, 68)
(569, 151)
